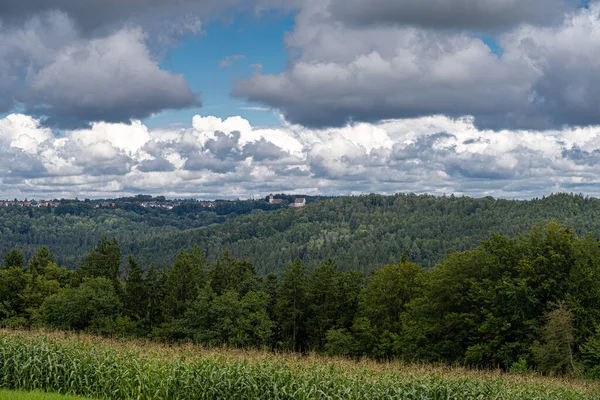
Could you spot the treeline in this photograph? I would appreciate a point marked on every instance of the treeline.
(531, 302)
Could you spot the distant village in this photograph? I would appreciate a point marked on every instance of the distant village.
(32, 203)
(298, 202)
(169, 205)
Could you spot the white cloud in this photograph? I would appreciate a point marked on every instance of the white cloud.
(231, 158)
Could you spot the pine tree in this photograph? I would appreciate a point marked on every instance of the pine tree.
(40, 261)
(554, 354)
(103, 261)
(183, 282)
(291, 305)
(230, 273)
(135, 296)
(14, 259)
(325, 297)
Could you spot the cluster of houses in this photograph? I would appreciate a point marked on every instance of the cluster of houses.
(299, 202)
(160, 204)
(170, 204)
(32, 203)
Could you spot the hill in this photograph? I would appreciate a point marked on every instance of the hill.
(70, 228)
(358, 232)
(364, 232)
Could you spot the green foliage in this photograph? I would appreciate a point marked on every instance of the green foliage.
(182, 283)
(74, 227)
(389, 291)
(591, 355)
(291, 306)
(135, 295)
(227, 318)
(13, 282)
(363, 233)
(230, 273)
(14, 259)
(332, 299)
(359, 233)
(93, 305)
(554, 354)
(41, 260)
(339, 342)
(520, 367)
(104, 261)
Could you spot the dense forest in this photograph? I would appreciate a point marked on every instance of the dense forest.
(359, 233)
(524, 302)
(73, 227)
(365, 232)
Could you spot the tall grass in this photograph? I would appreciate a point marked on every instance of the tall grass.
(102, 368)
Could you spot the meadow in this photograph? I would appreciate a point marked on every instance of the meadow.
(14, 395)
(95, 367)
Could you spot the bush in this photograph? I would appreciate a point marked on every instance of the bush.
(93, 305)
(520, 367)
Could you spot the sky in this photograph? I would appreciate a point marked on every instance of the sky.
(242, 98)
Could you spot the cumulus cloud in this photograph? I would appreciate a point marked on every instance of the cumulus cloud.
(231, 158)
(543, 78)
(72, 81)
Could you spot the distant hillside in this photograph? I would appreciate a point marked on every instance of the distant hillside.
(70, 228)
(363, 232)
(358, 232)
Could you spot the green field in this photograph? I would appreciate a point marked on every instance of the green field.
(12, 395)
(120, 369)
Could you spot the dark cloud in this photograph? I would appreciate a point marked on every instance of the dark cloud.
(73, 81)
(455, 14)
(544, 79)
(223, 153)
(92, 16)
(156, 165)
(223, 145)
(262, 150)
(479, 166)
(219, 154)
(208, 162)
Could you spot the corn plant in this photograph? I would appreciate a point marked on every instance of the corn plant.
(104, 369)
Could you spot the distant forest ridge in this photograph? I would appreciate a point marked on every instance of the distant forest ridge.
(357, 232)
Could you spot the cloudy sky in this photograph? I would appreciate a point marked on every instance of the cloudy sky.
(239, 98)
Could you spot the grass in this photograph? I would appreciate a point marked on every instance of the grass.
(133, 369)
(12, 395)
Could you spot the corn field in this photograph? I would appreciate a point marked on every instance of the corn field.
(112, 369)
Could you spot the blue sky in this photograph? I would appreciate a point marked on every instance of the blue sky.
(258, 40)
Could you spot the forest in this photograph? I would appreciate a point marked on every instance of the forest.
(524, 302)
(359, 233)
